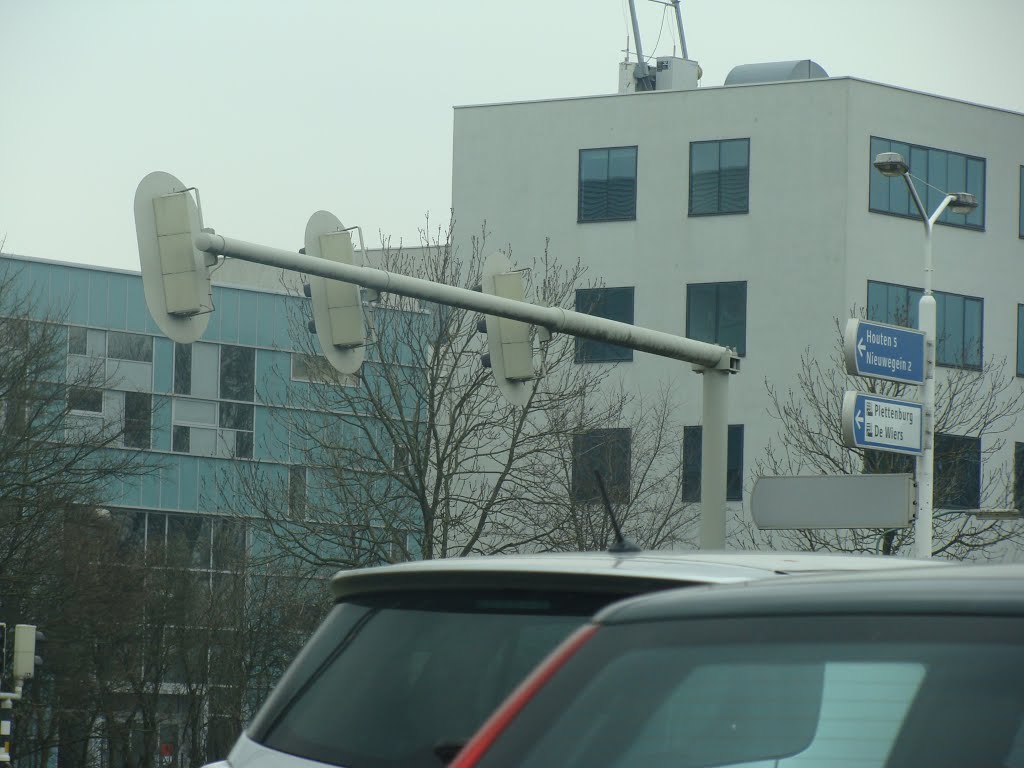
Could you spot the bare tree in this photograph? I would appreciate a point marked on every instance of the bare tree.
(421, 457)
(51, 458)
(973, 403)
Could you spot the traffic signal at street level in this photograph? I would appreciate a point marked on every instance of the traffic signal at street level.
(337, 306)
(509, 344)
(26, 637)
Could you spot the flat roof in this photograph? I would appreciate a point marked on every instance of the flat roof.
(781, 83)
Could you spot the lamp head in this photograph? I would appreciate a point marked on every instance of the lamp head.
(891, 164)
(965, 202)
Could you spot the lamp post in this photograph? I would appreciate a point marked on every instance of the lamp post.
(892, 164)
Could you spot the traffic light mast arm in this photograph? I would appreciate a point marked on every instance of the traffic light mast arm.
(699, 353)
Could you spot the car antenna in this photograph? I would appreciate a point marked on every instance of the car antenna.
(621, 543)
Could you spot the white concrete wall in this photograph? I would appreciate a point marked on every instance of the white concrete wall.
(808, 244)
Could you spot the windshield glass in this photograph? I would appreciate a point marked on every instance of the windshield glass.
(761, 693)
(402, 680)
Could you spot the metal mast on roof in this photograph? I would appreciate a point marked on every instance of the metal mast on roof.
(679, 27)
(642, 74)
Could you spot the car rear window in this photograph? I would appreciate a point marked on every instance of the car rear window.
(399, 680)
(863, 692)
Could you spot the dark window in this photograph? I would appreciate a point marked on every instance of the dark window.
(243, 445)
(188, 537)
(778, 690)
(959, 318)
(129, 346)
(887, 463)
(1018, 475)
(607, 190)
(237, 373)
(610, 303)
(692, 449)
(957, 471)
(236, 416)
(85, 399)
(228, 544)
(433, 662)
(938, 172)
(719, 177)
(183, 369)
(77, 340)
(138, 410)
(607, 451)
(717, 313)
(296, 490)
(180, 439)
(1020, 339)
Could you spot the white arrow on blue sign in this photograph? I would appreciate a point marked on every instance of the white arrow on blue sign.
(884, 351)
(883, 423)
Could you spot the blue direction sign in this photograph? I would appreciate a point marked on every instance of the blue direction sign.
(884, 351)
(883, 423)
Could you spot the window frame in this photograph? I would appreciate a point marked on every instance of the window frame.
(741, 350)
(580, 219)
(591, 351)
(718, 211)
(944, 294)
(912, 209)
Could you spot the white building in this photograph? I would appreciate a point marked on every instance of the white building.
(750, 215)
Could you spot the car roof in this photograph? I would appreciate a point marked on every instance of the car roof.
(984, 589)
(625, 572)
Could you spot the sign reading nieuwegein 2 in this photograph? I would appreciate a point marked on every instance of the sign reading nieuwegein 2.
(884, 351)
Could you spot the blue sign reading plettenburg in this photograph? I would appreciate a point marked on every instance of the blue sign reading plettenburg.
(884, 351)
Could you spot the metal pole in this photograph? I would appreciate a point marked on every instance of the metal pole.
(679, 26)
(926, 321)
(636, 32)
(714, 361)
(553, 318)
(714, 458)
(6, 718)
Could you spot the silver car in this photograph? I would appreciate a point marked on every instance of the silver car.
(412, 658)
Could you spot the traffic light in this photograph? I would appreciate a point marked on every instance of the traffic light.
(337, 306)
(175, 275)
(510, 347)
(25, 660)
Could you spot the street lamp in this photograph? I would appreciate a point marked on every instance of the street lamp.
(893, 164)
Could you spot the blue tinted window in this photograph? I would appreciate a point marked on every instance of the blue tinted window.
(1018, 475)
(959, 320)
(936, 172)
(717, 313)
(1020, 339)
(1020, 200)
(692, 437)
(719, 177)
(607, 184)
(610, 303)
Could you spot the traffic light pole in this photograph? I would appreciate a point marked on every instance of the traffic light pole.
(714, 361)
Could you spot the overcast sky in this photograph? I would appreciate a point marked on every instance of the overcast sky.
(277, 109)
